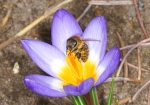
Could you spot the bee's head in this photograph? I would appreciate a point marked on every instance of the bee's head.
(71, 44)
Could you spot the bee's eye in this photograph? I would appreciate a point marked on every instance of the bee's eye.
(74, 43)
(71, 43)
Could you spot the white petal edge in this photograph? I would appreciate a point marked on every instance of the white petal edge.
(47, 57)
(112, 55)
(46, 81)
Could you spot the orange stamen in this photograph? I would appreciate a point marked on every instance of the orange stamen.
(75, 71)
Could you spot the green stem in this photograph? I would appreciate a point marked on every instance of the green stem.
(94, 96)
(75, 100)
(117, 102)
(111, 92)
(78, 100)
(81, 100)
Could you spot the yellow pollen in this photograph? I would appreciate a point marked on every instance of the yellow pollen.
(75, 71)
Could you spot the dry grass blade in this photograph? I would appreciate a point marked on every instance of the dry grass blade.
(6, 17)
(130, 46)
(138, 92)
(124, 79)
(105, 2)
(139, 65)
(142, 69)
(30, 26)
(139, 18)
(118, 79)
(149, 96)
(120, 67)
(6, 6)
(123, 101)
(123, 54)
(68, 100)
(137, 80)
(84, 12)
(51, 10)
(48, 12)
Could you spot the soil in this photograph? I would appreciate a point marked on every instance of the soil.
(120, 18)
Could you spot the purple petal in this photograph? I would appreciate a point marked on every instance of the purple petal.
(63, 27)
(109, 64)
(96, 30)
(82, 89)
(44, 85)
(48, 58)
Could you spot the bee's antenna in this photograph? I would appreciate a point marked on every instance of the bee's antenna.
(89, 39)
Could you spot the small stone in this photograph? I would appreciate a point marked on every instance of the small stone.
(16, 68)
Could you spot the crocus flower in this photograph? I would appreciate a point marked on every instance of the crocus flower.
(69, 76)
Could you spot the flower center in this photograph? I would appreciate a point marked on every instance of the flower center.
(75, 71)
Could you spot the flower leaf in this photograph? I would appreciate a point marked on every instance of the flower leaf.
(78, 100)
(81, 100)
(111, 92)
(117, 102)
(94, 96)
(75, 100)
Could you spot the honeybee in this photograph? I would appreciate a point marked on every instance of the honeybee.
(79, 47)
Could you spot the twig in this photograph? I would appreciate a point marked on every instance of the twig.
(123, 101)
(123, 54)
(130, 46)
(133, 66)
(139, 65)
(139, 18)
(6, 6)
(138, 92)
(120, 67)
(84, 12)
(68, 100)
(149, 96)
(104, 2)
(7, 16)
(124, 79)
(136, 80)
(118, 79)
(48, 12)
(51, 10)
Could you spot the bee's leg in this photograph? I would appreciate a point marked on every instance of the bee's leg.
(78, 55)
(68, 52)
